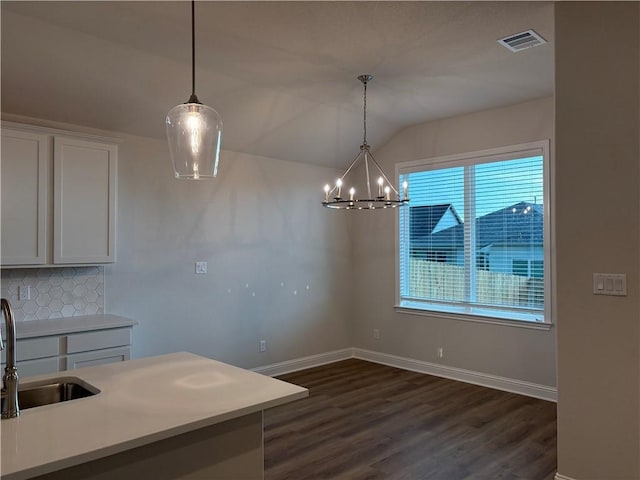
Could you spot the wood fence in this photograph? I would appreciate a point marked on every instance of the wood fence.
(443, 281)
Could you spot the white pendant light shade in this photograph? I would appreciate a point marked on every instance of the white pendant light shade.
(194, 132)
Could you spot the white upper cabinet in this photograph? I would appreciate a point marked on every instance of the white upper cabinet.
(24, 168)
(84, 192)
(58, 198)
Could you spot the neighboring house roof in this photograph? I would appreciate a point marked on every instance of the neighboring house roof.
(428, 219)
(520, 224)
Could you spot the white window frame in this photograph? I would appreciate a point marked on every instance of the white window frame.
(481, 314)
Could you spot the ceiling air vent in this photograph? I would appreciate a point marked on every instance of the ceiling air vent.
(522, 41)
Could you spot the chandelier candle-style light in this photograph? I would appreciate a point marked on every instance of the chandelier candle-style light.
(194, 130)
(386, 195)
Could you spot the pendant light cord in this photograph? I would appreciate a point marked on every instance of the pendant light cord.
(193, 48)
(193, 98)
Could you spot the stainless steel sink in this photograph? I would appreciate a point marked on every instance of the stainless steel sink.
(56, 390)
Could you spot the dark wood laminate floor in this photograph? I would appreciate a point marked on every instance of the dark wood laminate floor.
(368, 421)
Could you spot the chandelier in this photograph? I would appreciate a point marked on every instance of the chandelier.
(357, 178)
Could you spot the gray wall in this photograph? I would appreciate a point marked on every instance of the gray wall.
(279, 264)
(512, 352)
(598, 175)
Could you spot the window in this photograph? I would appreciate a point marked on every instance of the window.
(474, 240)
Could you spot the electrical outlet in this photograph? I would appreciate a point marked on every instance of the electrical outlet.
(262, 345)
(440, 352)
(24, 292)
(376, 333)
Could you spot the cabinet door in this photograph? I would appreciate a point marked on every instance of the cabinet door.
(24, 171)
(28, 368)
(84, 201)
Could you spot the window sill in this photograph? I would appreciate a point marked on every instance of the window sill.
(460, 313)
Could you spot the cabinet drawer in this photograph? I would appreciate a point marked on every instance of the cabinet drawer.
(82, 342)
(101, 357)
(31, 348)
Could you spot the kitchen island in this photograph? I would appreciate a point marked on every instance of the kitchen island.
(175, 416)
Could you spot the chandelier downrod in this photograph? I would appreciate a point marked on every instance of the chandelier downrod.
(365, 79)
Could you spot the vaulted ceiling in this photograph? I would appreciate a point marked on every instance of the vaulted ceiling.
(281, 74)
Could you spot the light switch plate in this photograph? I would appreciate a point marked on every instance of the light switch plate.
(201, 268)
(610, 284)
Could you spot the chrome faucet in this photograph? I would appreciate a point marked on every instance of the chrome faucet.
(10, 407)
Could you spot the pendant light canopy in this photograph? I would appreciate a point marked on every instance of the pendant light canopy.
(357, 179)
(194, 130)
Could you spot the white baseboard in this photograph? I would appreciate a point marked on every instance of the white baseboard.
(468, 376)
(304, 362)
(486, 380)
(562, 477)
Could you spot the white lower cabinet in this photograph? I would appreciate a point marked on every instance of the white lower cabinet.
(100, 347)
(36, 356)
(55, 353)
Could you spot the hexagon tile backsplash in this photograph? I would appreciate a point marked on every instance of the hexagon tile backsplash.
(55, 292)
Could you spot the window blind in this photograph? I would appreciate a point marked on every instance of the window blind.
(472, 239)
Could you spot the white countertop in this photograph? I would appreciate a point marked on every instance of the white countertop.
(140, 401)
(59, 326)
